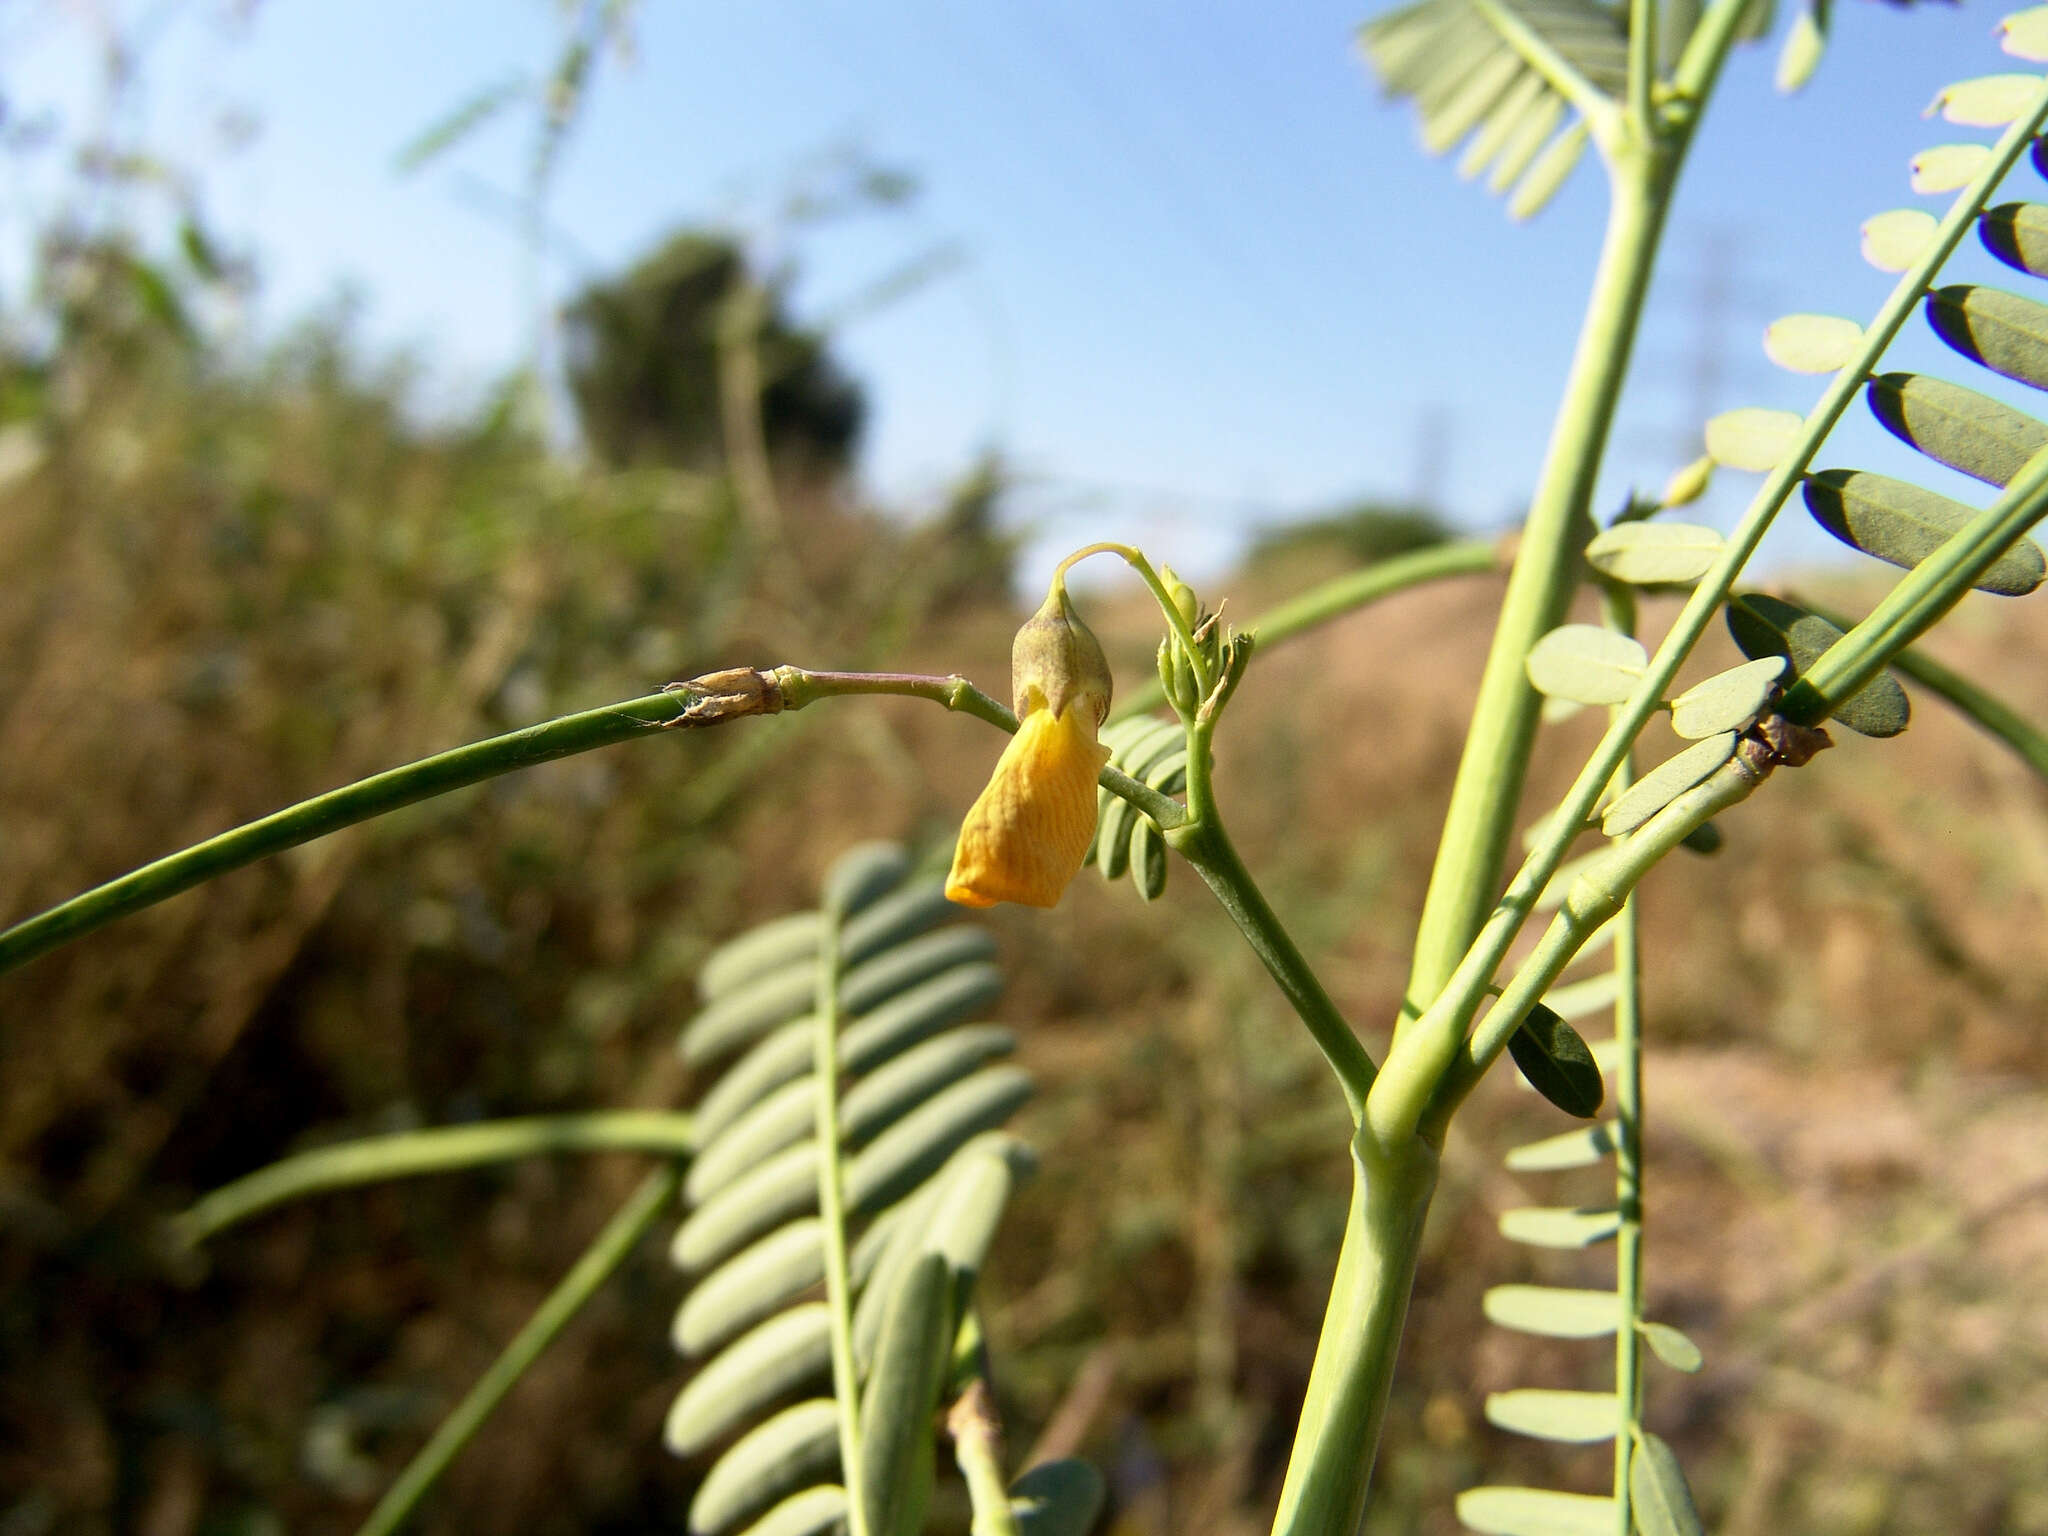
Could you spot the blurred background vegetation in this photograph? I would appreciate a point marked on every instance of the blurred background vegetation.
(233, 583)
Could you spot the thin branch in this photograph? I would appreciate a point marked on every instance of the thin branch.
(713, 699)
(408, 1154)
(618, 1239)
(832, 1214)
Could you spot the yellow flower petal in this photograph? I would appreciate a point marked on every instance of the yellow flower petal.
(1028, 832)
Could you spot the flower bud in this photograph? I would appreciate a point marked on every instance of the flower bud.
(1058, 658)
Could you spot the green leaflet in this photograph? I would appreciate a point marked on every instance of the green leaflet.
(902, 1390)
(2024, 34)
(1553, 1312)
(766, 1195)
(1658, 1490)
(1902, 524)
(1894, 241)
(1984, 438)
(1665, 783)
(895, 1026)
(2004, 332)
(2017, 234)
(1587, 664)
(1557, 1063)
(1569, 1149)
(1769, 626)
(1805, 42)
(1989, 101)
(756, 952)
(810, 1513)
(1727, 701)
(1671, 1346)
(1535, 1512)
(790, 1451)
(742, 1015)
(1812, 343)
(1575, 1418)
(1583, 997)
(780, 1355)
(1948, 167)
(1651, 554)
(1547, 174)
(1753, 438)
(1552, 1226)
(1057, 1498)
(754, 1283)
(1153, 751)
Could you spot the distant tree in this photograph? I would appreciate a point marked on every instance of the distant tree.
(1357, 535)
(643, 361)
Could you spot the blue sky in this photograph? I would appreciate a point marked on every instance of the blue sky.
(1207, 280)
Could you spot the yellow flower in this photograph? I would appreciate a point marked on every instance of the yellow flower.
(1028, 832)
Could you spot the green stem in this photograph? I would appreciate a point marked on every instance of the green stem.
(1595, 897)
(1459, 997)
(1987, 711)
(708, 701)
(1618, 604)
(1209, 850)
(1330, 1471)
(309, 819)
(1175, 619)
(978, 1451)
(618, 1239)
(1628, 1191)
(1488, 787)
(832, 1213)
(408, 1154)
